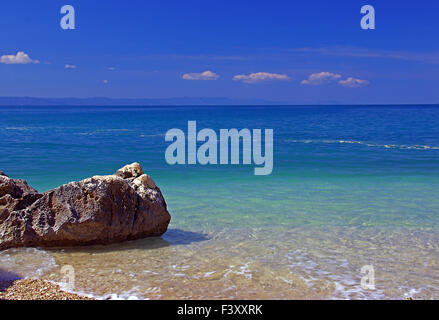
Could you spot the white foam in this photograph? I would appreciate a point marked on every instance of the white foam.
(132, 294)
(242, 270)
(26, 262)
(376, 145)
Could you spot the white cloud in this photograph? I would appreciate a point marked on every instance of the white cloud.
(206, 75)
(105, 81)
(316, 79)
(70, 66)
(111, 68)
(19, 58)
(321, 78)
(260, 76)
(353, 83)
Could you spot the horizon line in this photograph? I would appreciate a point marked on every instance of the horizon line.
(263, 102)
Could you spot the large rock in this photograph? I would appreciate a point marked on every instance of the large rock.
(15, 195)
(98, 210)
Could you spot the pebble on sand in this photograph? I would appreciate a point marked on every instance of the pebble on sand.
(35, 289)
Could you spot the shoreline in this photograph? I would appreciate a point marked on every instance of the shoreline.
(35, 289)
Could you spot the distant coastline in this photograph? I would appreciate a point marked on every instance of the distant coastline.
(177, 101)
(104, 101)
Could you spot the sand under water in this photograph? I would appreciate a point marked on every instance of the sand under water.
(302, 263)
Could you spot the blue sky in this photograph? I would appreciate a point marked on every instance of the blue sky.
(253, 49)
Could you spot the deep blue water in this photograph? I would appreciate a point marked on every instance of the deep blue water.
(333, 165)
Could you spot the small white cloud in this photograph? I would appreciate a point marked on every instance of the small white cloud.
(111, 68)
(260, 76)
(70, 66)
(105, 81)
(19, 58)
(206, 75)
(321, 78)
(353, 83)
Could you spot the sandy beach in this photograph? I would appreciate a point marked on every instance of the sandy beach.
(35, 289)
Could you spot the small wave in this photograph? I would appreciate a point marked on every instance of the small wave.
(104, 131)
(338, 272)
(25, 263)
(18, 128)
(376, 145)
(132, 294)
(152, 135)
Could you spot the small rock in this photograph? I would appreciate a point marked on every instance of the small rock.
(144, 179)
(133, 170)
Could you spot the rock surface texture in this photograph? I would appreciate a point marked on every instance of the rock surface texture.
(98, 210)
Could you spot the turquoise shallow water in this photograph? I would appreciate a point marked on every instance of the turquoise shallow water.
(350, 186)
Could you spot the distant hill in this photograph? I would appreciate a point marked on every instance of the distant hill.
(102, 101)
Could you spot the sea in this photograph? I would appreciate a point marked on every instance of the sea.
(350, 210)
